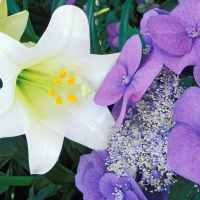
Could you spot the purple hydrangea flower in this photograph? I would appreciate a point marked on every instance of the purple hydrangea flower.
(93, 181)
(70, 2)
(113, 31)
(176, 36)
(128, 80)
(184, 140)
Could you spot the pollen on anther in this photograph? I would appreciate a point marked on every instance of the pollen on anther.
(56, 81)
(59, 100)
(51, 92)
(71, 80)
(71, 98)
(63, 74)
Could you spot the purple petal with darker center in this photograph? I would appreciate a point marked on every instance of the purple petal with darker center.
(183, 152)
(187, 108)
(149, 69)
(91, 185)
(107, 185)
(170, 34)
(188, 11)
(111, 90)
(197, 73)
(112, 29)
(131, 54)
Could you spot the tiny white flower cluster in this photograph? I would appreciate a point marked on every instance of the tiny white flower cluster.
(140, 145)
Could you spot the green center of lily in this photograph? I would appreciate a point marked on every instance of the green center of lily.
(55, 86)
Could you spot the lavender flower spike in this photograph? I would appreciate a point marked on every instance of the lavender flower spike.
(126, 79)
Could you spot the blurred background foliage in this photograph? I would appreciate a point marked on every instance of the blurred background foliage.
(15, 180)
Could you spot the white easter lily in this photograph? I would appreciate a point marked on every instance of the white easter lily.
(13, 25)
(48, 90)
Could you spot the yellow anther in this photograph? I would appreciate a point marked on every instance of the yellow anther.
(71, 80)
(56, 81)
(51, 92)
(85, 90)
(59, 100)
(63, 74)
(71, 98)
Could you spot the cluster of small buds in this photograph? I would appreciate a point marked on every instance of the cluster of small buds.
(140, 144)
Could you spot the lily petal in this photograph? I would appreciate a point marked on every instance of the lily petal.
(143, 78)
(93, 75)
(3, 9)
(11, 61)
(183, 152)
(82, 121)
(63, 43)
(44, 146)
(170, 34)
(14, 25)
(189, 99)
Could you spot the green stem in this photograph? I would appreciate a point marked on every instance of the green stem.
(19, 180)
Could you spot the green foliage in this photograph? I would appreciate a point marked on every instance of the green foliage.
(56, 4)
(184, 189)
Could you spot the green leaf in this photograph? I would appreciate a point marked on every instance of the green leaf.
(124, 21)
(13, 7)
(3, 188)
(94, 40)
(60, 175)
(7, 148)
(44, 192)
(169, 5)
(184, 189)
(56, 4)
(3, 161)
(21, 156)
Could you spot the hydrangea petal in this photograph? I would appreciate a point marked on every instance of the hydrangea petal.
(170, 34)
(75, 121)
(187, 108)
(111, 90)
(107, 185)
(91, 185)
(197, 73)
(177, 63)
(3, 9)
(186, 11)
(87, 161)
(73, 40)
(183, 152)
(149, 69)
(44, 146)
(14, 25)
(93, 75)
(131, 195)
(131, 54)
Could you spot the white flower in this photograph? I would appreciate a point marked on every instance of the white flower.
(13, 25)
(48, 90)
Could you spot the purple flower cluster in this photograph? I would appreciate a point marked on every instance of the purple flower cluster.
(95, 183)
